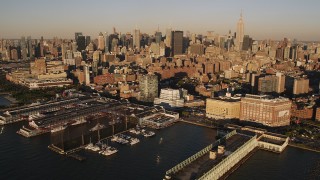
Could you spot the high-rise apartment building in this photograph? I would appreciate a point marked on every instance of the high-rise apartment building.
(177, 43)
(265, 110)
(272, 83)
(148, 85)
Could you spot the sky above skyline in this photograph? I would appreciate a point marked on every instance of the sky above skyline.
(263, 19)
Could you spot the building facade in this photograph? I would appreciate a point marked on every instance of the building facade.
(223, 108)
(265, 110)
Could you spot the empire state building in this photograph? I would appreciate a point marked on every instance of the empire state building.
(240, 32)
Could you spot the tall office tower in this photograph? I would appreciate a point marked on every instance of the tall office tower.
(280, 53)
(286, 53)
(177, 43)
(101, 42)
(266, 110)
(81, 42)
(106, 42)
(168, 37)
(293, 53)
(229, 41)
(247, 43)
(41, 47)
(23, 48)
(30, 48)
(148, 85)
(158, 36)
(63, 51)
(88, 40)
(240, 32)
(76, 35)
(136, 39)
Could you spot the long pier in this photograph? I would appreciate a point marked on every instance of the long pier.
(220, 159)
(198, 124)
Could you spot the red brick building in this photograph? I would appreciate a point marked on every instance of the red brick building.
(104, 79)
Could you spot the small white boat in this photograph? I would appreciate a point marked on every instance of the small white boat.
(148, 134)
(134, 141)
(109, 151)
(135, 131)
(89, 146)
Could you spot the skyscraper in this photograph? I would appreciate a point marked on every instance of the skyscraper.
(41, 47)
(247, 43)
(168, 37)
(158, 37)
(177, 43)
(136, 38)
(106, 41)
(240, 32)
(101, 42)
(81, 42)
(30, 48)
(76, 35)
(88, 40)
(23, 48)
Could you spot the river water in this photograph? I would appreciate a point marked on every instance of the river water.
(23, 158)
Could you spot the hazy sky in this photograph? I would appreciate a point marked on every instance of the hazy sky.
(263, 18)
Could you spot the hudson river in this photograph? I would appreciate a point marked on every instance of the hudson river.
(23, 158)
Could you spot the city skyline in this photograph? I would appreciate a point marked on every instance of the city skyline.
(262, 19)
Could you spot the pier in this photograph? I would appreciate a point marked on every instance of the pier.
(221, 158)
(76, 157)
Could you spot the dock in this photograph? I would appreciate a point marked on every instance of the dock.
(56, 149)
(220, 159)
(197, 124)
(31, 132)
(76, 157)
